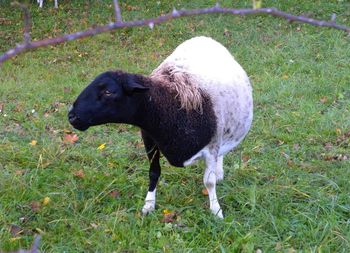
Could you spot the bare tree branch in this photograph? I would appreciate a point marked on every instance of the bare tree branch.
(26, 20)
(165, 18)
(117, 13)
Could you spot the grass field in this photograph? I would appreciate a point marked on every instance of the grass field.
(286, 187)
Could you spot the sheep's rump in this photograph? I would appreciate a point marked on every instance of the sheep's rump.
(202, 65)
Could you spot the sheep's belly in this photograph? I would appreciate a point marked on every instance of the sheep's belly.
(196, 157)
(225, 148)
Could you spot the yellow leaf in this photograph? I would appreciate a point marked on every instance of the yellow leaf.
(257, 4)
(39, 231)
(338, 130)
(33, 142)
(13, 239)
(102, 146)
(166, 211)
(285, 77)
(46, 201)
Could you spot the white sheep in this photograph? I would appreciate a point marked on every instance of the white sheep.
(41, 3)
(196, 105)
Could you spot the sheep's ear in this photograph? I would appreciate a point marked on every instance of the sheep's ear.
(132, 86)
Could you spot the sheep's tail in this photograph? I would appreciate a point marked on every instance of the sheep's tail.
(184, 84)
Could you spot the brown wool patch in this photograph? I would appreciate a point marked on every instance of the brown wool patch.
(182, 83)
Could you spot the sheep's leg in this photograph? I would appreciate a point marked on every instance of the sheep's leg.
(210, 183)
(219, 172)
(153, 154)
(56, 3)
(154, 174)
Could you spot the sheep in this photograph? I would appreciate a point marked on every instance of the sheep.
(41, 3)
(196, 105)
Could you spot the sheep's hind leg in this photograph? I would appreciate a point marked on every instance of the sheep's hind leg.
(219, 170)
(209, 180)
(154, 173)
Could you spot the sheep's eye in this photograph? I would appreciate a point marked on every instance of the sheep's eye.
(107, 93)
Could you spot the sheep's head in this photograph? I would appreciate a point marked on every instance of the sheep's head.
(110, 98)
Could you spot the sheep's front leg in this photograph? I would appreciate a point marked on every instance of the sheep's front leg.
(210, 183)
(153, 154)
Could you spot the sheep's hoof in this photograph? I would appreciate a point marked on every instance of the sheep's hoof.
(217, 212)
(148, 208)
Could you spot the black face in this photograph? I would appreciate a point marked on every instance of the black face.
(108, 99)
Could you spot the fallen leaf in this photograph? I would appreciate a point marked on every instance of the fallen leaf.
(5, 21)
(79, 173)
(131, 8)
(138, 144)
(23, 219)
(67, 131)
(339, 157)
(39, 231)
(338, 131)
(46, 201)
(67, 89)
(205, 192)
(102, 146)
(328, 145)
(169, 217)
(33, 142)
(296, 146)
(94, 225)
(35, 206)
(323, 100)
(285, 77)
(291, 250)
(343, 137)
(20, 172)
(227, 32)
(70, 138)
(278, 246)
(115, 194)
(14, 239)
(245, 158)
(166, 211)
(15, 230)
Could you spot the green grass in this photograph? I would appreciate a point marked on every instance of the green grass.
(285, 188)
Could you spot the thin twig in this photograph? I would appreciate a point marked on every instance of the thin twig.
(165, 18)
(35, 246)
(26, 20)
(117, 12)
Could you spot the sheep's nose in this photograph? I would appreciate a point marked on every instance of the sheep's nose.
(72, 117)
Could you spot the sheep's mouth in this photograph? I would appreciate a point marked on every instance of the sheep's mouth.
(81, 126)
